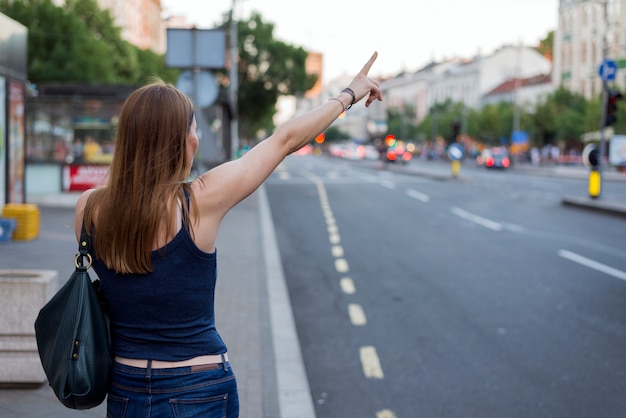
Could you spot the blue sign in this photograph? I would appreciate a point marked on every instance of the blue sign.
(608, 70)
(519, 137)
(455, 152)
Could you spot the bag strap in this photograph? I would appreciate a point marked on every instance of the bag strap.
(84, 247)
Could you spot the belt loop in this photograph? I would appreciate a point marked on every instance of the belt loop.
(149, 368)
(225, 363)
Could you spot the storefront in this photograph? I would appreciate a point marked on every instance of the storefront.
(71, 133)
(13, 47)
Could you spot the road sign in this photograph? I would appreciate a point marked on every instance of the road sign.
(455, 152)
(204, 93)
(608, 70)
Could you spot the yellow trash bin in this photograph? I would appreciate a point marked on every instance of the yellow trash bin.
(26, 220)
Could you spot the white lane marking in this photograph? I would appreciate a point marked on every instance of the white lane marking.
(347, 286)
(587, 262)
(283, 175)
(294, 393)
(477, 219)
(334, 238)
(385, 414)
(388, 184)
(370, 363)
(341, 265)
(418, 195)
(357, 316)
(337, 250)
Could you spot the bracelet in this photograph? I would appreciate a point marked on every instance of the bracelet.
(351, 93)
(340, 102)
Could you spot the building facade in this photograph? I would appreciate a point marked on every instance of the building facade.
(139, 20)
(589, 31)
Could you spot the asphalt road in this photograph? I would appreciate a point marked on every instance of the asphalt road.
(415, 297)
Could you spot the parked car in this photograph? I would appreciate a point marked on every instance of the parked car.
(496, 157)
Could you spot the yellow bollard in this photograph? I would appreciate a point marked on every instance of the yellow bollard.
(456, 167)
(594, 183)
(27, 218)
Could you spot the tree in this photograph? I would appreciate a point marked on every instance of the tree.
(267, 69)
(79, 43)
(546, 46)
(334, 134)
(401, 122)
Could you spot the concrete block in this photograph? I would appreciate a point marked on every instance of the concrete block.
(22, 294)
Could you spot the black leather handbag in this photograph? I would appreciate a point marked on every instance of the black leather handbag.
(73, 339)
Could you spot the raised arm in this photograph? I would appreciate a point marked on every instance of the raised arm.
(219, 189)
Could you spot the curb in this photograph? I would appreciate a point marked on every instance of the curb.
(604, 206)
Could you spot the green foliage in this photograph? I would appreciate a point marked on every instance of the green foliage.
(334, 134)
(268, 68)
(562, 118)
(79, 43)
(546, 46)
(401, 121)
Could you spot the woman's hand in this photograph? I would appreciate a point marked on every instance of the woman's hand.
(363, 86)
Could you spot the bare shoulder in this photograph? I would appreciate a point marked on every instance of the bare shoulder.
(80, 208)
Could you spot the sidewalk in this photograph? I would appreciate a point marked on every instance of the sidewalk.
(256, 324)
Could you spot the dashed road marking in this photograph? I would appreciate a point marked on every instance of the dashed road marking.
(587, 262)
(418, 195)
(477, 219)
(347, 286)
(341, 265)
(370, 363)
(337, 250)
(357, 316)
(369, 358)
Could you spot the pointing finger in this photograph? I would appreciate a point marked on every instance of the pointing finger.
(368, 64)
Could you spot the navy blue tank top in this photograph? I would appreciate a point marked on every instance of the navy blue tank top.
(167, 314)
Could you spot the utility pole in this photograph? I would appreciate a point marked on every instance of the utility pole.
(516, 86)
(605, 95)
(234, 85)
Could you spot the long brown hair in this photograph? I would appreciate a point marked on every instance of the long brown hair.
(146, 179)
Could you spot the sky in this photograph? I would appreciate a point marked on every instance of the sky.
(407, 34)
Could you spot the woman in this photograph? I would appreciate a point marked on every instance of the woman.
(153, 238)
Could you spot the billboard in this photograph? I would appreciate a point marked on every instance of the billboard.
(3, 133)
(81, 177)
(617, 151)
(16, 145)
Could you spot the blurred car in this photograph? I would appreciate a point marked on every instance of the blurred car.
(398, 152)
(496, 157)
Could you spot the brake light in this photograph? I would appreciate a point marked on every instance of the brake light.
(489, 162)
(391, 156)
(506, 162)
(407, 156)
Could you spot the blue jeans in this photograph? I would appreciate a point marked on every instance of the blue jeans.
(205, 391)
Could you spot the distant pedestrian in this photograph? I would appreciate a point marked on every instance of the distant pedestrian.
(154, 244)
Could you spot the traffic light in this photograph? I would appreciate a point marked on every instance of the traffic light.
(456, 130)
(390, 141)
(611, 107)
